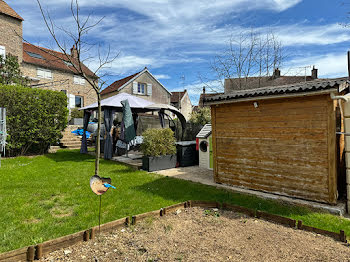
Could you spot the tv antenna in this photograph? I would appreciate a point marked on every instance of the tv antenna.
(305, 67)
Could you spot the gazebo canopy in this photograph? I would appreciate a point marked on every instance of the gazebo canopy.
(136, 103)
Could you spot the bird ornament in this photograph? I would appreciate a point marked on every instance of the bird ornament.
(100, 185)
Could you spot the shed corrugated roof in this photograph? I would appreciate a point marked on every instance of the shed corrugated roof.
(205, 131)
(309, 86)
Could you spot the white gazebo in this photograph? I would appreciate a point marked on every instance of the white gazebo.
(137, 105)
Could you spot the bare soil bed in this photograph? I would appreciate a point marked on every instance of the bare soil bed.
(195, 234)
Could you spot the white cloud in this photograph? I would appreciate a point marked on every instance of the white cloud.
(162, 76)
(123, 64)
(304, 34)
(328, 65)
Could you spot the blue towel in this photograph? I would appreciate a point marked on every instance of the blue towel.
(80, 132)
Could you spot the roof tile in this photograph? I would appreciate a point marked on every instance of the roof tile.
(176, 96)
(51, 59)
(117, 84)
(7, 10)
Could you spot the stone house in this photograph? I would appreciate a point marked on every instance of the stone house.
(43, 67)
(142, 84)
(182, 101)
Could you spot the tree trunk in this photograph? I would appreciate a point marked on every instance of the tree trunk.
(98, 141)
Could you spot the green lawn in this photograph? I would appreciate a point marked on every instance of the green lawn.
(49, 196)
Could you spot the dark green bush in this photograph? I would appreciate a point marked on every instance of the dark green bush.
(158, 142)
(201, 116)
(35, 118)
(10, 72)
(76, 113)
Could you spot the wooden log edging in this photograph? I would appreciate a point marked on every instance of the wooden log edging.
(337, 236)
(276, 218)
(15, 255)
(239, 209)
(205, 204)
(31, 253)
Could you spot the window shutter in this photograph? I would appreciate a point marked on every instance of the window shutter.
(48, 74)
(76, 79)
(71, 101)
(134, 87)
(149, 89)
(40, 73)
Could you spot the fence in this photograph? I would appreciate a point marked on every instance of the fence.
(3, 133)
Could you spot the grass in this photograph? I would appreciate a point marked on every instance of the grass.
(45, 197)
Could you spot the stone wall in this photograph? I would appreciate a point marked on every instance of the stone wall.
(186, 106)
(11, 36)
(159, 94)
(61, 81)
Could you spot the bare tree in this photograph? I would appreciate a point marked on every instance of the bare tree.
(248, 55)
(77, 38)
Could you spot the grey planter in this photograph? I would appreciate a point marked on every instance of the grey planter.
(154, 163)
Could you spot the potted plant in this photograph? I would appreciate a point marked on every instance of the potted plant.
(76, 117)
(159, 150)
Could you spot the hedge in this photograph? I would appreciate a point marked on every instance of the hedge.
(35, 118)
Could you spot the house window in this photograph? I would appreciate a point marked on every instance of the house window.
(2, 52)
(78, 80)
(68, 63)
(79, 101)
(34, 55)
(141, 88)
(44, 73)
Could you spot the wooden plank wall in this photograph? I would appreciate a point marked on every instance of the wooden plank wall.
(285, 146)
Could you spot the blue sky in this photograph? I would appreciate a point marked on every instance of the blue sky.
(178, 39)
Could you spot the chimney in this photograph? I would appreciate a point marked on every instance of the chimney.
(203, 96)
(314, 73)
(276, 73)
(74, 52)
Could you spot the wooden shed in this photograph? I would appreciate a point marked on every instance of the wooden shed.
(281, 140)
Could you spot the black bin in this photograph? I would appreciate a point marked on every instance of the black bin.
(187, 155)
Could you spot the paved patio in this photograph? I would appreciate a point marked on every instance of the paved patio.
(191, 173)
(134, 159)
(205, 176)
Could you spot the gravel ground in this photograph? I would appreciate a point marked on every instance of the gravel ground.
(196, 234)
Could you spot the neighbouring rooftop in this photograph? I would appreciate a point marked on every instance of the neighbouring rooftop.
(309, 86)
(7, 10)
